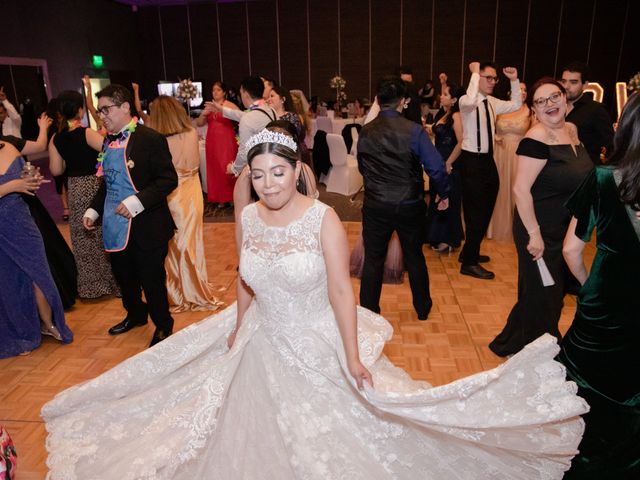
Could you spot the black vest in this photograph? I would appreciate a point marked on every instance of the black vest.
(392, 173)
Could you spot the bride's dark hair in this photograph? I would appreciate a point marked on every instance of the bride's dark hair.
(279, 150)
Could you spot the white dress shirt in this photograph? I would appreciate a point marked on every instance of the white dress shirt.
(251, 122)
(13, 122)
(472, 100)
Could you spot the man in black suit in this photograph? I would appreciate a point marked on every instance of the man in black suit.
(595, 128)
(132, 199)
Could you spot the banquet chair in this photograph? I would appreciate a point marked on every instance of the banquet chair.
(344, 177)
(324, 124)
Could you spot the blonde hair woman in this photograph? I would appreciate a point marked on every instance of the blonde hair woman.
(187, 282)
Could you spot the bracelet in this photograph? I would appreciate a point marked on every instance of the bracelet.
(533, 230)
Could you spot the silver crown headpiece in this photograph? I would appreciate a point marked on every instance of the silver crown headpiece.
(267, 136)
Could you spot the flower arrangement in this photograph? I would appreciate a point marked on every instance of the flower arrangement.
(338, 83)
(633, 85)
(186, 90)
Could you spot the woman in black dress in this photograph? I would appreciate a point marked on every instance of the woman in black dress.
(551, 165)
(74, 151)
(444, 227)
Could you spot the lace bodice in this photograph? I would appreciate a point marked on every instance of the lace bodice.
(284, 266)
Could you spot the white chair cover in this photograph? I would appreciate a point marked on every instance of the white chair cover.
(344, 177)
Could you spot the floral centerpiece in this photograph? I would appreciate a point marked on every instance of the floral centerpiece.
(338, 83)
(186, 90)
(633, 85)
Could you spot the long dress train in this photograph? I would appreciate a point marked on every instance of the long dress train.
(281, 404)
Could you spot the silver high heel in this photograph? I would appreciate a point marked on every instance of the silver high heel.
(52, 331)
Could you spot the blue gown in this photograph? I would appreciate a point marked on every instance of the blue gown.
(22, 263)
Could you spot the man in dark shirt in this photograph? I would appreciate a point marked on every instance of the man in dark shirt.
(595, 128)
(392, 153)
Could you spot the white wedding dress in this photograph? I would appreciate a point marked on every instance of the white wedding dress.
(281, 404)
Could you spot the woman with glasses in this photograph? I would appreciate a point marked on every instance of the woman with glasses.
(551, 165)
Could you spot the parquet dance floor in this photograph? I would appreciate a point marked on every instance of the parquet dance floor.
(466, 315)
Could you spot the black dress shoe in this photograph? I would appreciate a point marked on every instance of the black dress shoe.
(422, 316)
(159, 335)
(481, 259)
(126, 325)
(477, 271)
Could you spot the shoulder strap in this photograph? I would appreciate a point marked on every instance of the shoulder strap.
(265, 112)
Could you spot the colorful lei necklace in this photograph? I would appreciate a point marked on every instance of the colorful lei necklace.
(73, 124)
(123, 135)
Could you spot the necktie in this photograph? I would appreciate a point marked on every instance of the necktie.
(489, 128)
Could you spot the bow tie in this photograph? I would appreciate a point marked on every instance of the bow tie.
(113, 137)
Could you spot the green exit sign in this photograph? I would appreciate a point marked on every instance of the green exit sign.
(97, 61)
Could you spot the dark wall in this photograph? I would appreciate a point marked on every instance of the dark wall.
(67, 33)
(303, 43)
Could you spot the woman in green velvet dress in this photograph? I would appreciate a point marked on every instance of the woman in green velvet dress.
(601, 350)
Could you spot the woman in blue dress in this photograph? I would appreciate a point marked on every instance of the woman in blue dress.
(30, 305)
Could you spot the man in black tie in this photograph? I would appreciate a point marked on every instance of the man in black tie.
(479, 174)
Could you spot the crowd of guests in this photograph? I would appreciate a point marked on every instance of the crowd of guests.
(528, 168)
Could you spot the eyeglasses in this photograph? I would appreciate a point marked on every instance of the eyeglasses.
(105, 110)
(489, 78)
(553, 98)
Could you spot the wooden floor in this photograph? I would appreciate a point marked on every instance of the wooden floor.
(467, 313)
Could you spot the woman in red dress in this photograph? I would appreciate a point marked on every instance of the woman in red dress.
(221, 147)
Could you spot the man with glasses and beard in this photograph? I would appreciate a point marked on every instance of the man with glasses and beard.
(138, 174)
(479, 174)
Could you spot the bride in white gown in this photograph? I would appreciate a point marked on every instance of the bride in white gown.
(305, 392)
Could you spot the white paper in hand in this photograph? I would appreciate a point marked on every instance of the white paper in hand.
(547, 279)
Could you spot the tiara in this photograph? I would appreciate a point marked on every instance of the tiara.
(267, 136)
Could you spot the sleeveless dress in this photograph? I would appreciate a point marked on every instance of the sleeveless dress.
(22, 263)
(280, 404)
(511, 127)
(221, 149)
(188, 284)
(446, 226)
(95, 277)
(600, 350)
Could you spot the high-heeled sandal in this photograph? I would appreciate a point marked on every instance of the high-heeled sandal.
(52, 331)
(444, 248)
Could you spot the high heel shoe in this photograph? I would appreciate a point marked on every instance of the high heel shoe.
(444, 248)
(52, 331)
